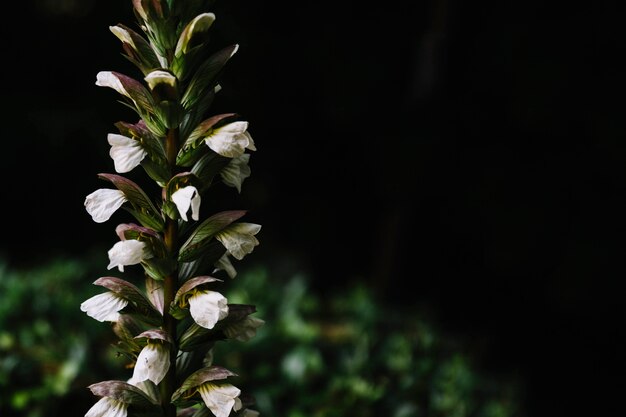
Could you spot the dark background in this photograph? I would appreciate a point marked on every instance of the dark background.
(463, 158)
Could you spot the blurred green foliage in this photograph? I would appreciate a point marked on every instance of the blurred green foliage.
(318, 355)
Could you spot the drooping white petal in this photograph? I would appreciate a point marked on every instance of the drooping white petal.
(153, 363)
(236, 171)
(238, 238)
(108, 407)
(108, 79)
(230, 140)
(160, 77)
(126, 152)
(249, 413)
(102, 203)
(243, 330)
(224, 264)
(220, 399)
(104, 307)
(186, 197)
(127, 252)
(207, 308)
(250, 144)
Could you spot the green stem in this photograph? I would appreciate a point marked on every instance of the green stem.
(170, 286)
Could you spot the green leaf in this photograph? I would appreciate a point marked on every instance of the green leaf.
(137, 49)
(196, 337)
(204, 261)
(157, 171)
(206, 76)
(192, 248)
(208, 166)
(169, 113)
(194, 115)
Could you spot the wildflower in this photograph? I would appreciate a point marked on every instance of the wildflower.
(230, 140)
(153, 362)
(126, 152)
(238, 238)
(224, 264)
(236, 171)
(102, 203)
(186, 197)
(104, 307)
(220, 399)
(208, 307)
(128, 252)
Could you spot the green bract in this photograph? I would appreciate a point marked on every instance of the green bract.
(168, 327)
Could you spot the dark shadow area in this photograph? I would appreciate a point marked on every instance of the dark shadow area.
(444, 153)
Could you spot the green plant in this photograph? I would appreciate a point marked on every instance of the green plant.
(168, 327)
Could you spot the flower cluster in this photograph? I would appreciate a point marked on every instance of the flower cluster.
(168, 326)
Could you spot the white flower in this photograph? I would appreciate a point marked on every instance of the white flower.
(236, 171)
(224, 264)
(243, 330)
(108, 79)
(126, 152)
(220, 399)
(153, 363)
(104, 307)
(127, 252)
(239, 238)
(207, 308)
(185, 197)
(108, 407)
(230, 140)
(102, 203)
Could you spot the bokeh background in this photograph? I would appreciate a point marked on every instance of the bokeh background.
(438, 170)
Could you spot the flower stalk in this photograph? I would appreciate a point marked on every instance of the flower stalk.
(169, 327)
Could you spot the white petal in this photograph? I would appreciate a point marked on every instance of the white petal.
(160, 77)
(153, 363)
(239, 238)
(108, 407)
(229, 140)
(104, 307)
(102, 203)
(236, 171)
(127, 252)
(220, 399)
(207, 308)
(187, 197)
(126, 152)
(250, 413)
(224, 264)
(250, 144)
(108, 79)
